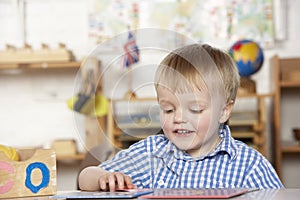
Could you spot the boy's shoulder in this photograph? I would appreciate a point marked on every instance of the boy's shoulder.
(243, 149)
(235, 147)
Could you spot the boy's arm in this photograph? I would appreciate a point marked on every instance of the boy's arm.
(127, 166)
(264, 176)
(95, 178)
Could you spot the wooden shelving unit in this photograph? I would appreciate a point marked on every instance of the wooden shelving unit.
(41, 65)
(287, 80)
(247, 126)
(250, 126)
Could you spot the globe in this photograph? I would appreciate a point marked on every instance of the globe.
(248, 56)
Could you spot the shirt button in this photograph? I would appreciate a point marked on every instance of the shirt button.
(160, 182)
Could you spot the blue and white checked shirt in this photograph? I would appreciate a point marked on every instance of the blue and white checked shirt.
(155, 162)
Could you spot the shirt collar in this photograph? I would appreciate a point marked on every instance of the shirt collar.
(165, 148)
(227, 143)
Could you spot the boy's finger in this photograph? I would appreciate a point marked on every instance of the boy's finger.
(112, 182)
(120, 180)
(128, 182)
(103, 183)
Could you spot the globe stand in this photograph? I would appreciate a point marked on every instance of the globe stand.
(247, 86)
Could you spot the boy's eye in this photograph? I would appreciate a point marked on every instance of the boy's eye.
(196, 109)
(166, 107)
(167, 111)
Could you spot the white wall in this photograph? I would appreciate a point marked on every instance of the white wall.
(33, 107)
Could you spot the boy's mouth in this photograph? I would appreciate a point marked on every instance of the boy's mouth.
(183, 131)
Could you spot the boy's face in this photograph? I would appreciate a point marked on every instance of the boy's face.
(191, 121)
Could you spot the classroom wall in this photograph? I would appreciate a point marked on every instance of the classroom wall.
(33, 108)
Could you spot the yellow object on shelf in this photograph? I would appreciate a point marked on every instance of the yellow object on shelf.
(101, 105)
(10, 152)
(96, 106)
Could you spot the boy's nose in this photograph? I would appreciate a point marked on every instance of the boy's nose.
(179, 117)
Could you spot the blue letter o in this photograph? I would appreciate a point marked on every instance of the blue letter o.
(45, 176)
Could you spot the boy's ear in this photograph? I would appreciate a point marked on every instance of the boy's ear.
(226, 112)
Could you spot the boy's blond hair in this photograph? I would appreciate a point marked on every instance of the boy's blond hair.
(191, 67)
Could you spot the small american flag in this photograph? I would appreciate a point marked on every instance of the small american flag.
(131, 55)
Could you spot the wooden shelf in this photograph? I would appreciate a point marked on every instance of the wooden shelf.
(255, 95)
(41, 65)
(243, 134)
(290, 84)
(139, 125)
(291, 149)
(74, 157)
(243, 119)
(125, 138)
(286, 76)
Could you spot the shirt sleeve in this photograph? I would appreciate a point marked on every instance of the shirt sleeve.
(133, 162)
(263, 176)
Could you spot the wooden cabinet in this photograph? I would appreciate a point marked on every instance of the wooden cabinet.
(287, 109)
(131, 120)
(248, 124)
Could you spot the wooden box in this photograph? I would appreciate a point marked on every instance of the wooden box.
(64, 147)
(33, 175)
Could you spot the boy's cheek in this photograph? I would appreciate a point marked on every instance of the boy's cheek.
(164, 119)
(165, 125)
(200, 124)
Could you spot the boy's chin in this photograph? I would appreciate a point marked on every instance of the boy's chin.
(185, 146)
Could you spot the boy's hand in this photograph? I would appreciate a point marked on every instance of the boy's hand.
(95, 178)
(113, 181)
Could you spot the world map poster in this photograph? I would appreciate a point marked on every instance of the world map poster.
(220, 22)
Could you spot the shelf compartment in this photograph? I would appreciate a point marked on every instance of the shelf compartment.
(128, 138)
(138, 121)
(291, 149)
(243, 118)
(241, 134)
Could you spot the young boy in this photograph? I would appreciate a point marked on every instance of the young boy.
(196, 88)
